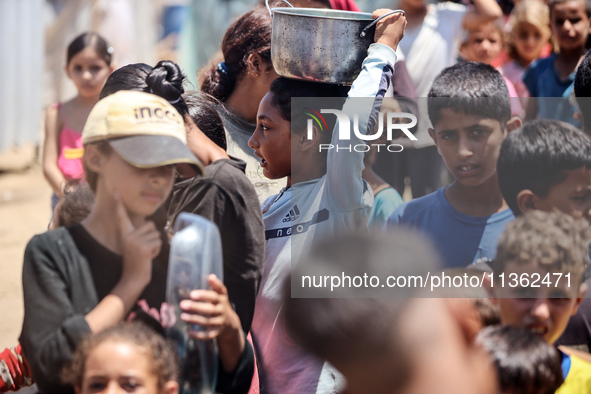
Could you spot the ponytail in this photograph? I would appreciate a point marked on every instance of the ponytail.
(250, 33)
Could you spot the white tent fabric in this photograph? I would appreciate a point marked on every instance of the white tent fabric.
(21, 68)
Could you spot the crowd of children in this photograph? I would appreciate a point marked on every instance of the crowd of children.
(133, 150)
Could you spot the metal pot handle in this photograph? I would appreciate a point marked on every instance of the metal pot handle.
(285, 1)
(364, 31)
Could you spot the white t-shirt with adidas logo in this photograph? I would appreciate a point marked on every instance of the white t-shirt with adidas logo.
(339, 201)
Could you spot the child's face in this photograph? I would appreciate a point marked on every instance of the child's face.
(570, 24)
(528, 41)
(271, 140)
(142, 190)
(572, 196)
(118, 367)
(469, 145)
(483, 44)
(89, 72)
(549, 307)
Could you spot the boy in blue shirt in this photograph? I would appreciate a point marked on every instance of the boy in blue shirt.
(470, 111)
(538, 282)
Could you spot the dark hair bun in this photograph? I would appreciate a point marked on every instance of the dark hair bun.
(166, 80)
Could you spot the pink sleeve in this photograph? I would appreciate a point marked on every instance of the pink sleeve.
(255, 384)
(345, 5)
(516, 108)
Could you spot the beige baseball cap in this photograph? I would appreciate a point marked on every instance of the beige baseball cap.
(144, 129)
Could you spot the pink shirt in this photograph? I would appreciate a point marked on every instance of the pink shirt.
(516, 107)
(513, 72)
(346, 5)
(70, 152)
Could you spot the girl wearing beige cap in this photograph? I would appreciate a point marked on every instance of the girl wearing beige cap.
(88, 277)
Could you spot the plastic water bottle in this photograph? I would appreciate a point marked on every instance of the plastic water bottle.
(195, 252)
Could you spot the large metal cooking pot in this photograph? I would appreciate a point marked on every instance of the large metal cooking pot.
(320, 45)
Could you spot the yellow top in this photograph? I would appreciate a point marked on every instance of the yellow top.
(578, 380)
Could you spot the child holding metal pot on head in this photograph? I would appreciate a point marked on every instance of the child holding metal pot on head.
(325, 194)
(113, 265)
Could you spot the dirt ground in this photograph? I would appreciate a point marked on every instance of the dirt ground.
(24, 212)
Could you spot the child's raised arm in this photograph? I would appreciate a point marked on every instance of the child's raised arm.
(52, 173)
(344, 163)
(390, 30)
(484, 11)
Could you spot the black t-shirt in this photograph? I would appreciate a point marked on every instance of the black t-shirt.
(225, 196)
(61, 270)
(106, 268)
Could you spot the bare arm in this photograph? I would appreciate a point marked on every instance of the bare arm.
(205, 149)
(114, 307)
(51, 152)
(390, 30)
(484, 11)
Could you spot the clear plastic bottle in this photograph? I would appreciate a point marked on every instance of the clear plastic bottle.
(195, 252)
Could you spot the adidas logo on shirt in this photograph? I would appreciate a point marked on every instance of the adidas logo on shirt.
(293, 214)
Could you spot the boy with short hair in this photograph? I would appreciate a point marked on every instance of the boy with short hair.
(470, 109)
(549, 249)
(546, 165)
(431, 44)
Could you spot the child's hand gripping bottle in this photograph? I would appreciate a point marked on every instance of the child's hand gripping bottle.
(195, 252)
